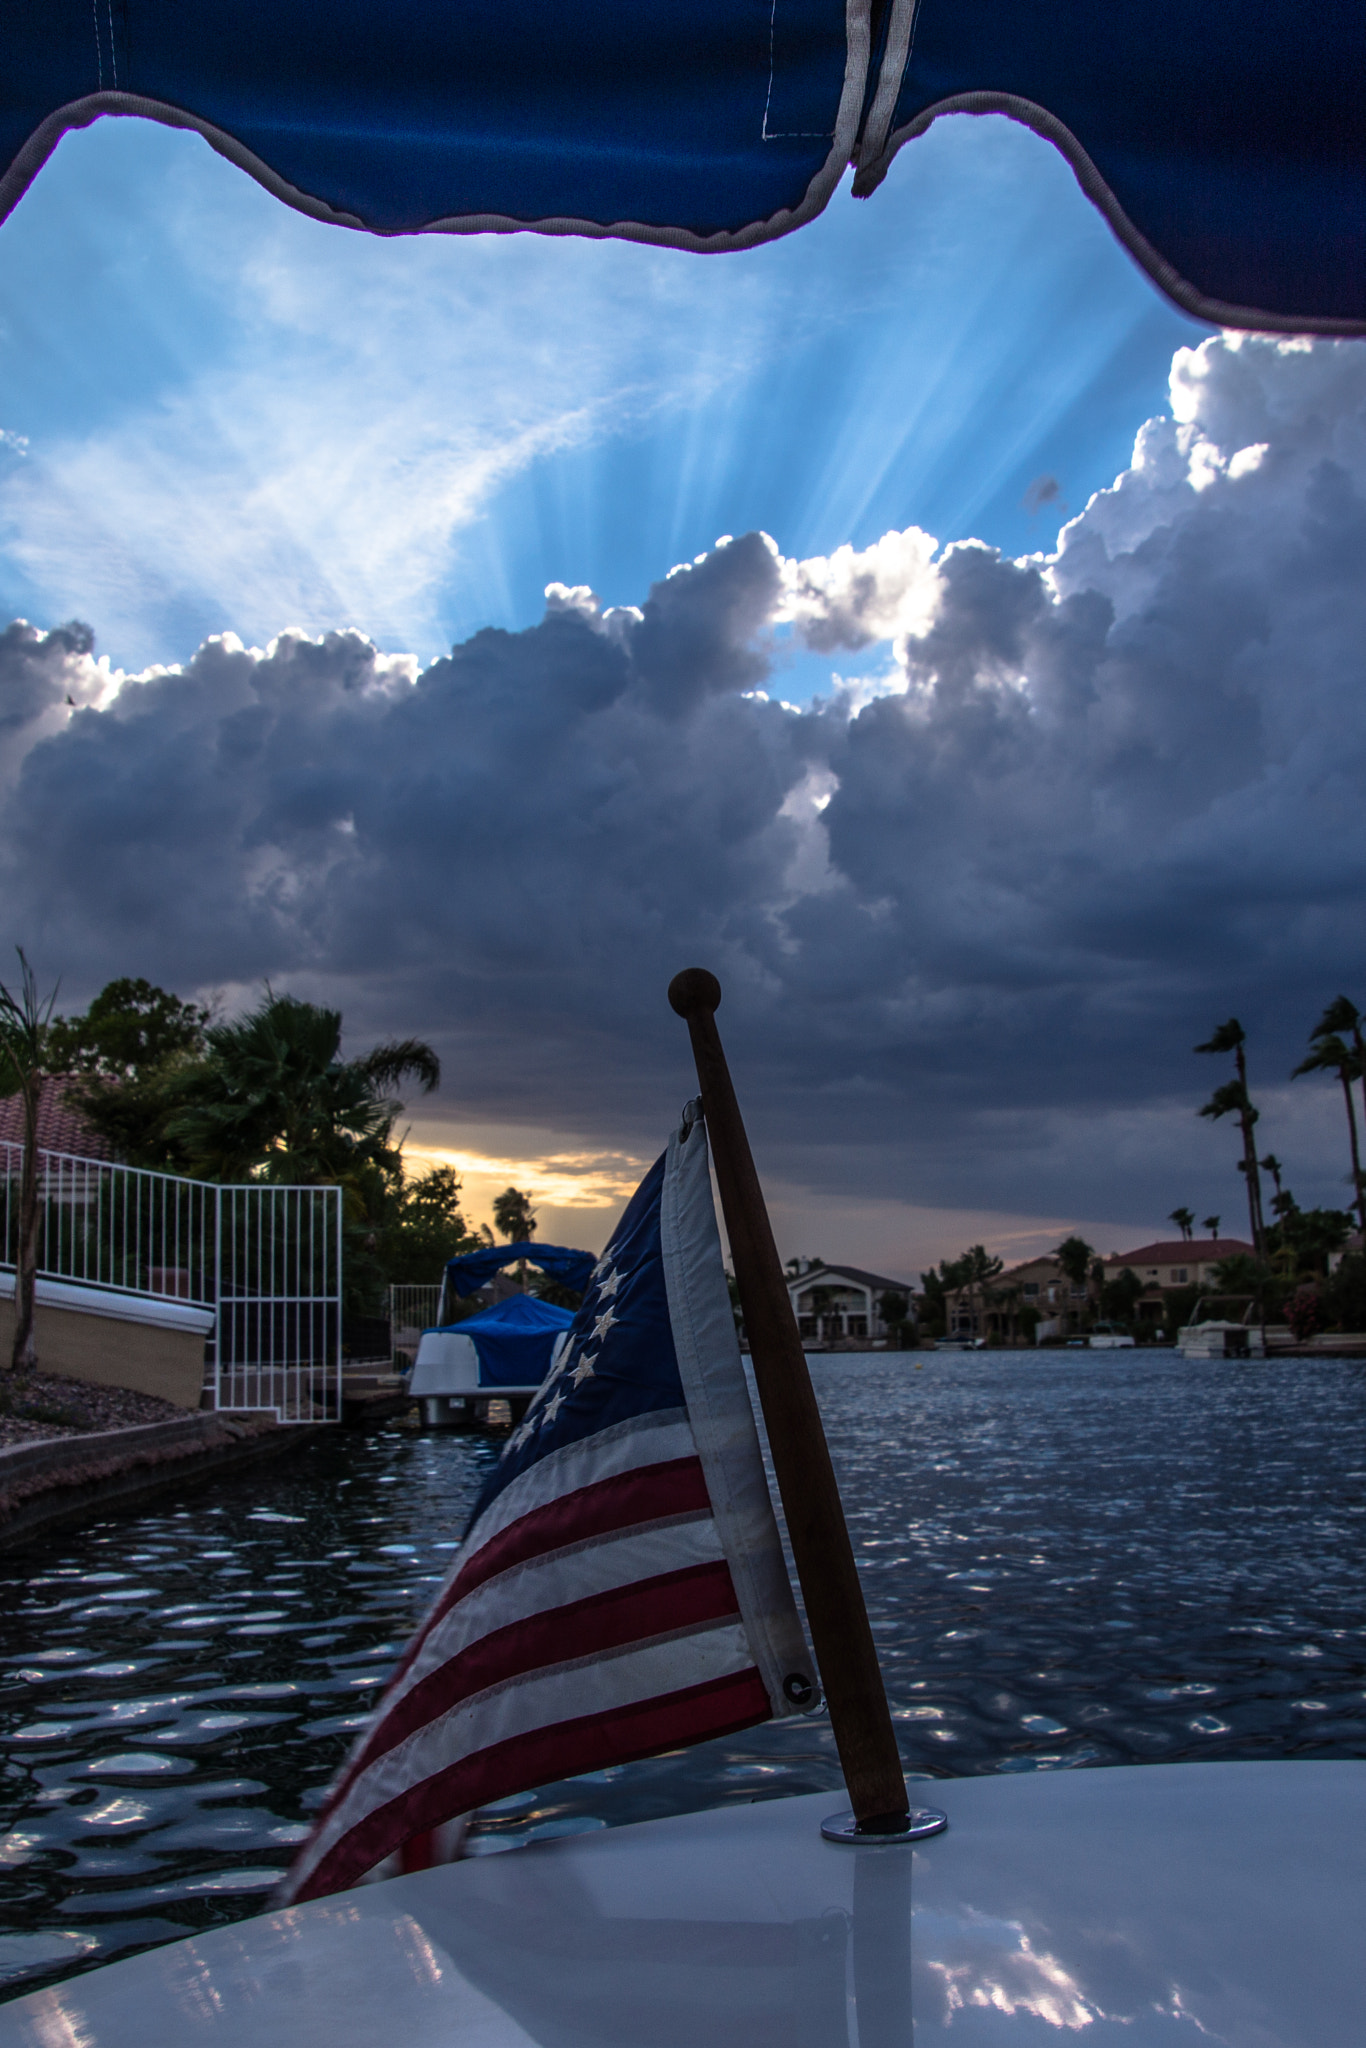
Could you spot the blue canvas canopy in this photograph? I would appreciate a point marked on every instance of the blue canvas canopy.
(1225, 140)
(514, 1339)
(473, 1270)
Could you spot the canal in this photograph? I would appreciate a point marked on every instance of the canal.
(1069, 1560)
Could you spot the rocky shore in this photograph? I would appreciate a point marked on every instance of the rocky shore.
(81, 1451)
(45, 1404)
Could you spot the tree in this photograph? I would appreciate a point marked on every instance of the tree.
(1119, 1297)
(1184, 1219)
(273, 1099)
(1343, 1017)
(130, 1028)
(25, 1023)
(894, 1310)
(422, 1228)
(1211, 1223)
(978, 1268)
(1329, 1053)
(1232, 1099)
(1074, 1255)
(512, 1216)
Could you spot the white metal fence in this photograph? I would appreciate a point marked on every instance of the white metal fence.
(412, 1309)
(266, 1260)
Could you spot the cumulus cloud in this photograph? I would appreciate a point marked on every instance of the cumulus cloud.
(969, 925)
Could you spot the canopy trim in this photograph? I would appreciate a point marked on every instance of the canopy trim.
(1164, 275)
(29, 160)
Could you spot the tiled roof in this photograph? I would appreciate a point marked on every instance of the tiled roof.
(1194, 1251)
(61, 1126)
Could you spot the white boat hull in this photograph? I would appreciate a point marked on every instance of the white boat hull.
(1178, 1904)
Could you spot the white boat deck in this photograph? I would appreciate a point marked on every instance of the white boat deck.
(1194, 1903)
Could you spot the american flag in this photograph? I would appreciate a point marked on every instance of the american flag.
(621, 1588)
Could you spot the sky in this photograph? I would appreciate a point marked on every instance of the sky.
(918, 621)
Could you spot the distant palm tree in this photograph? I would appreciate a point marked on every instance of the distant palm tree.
(25, 1023)
(978, 1268)
(1330, 1054)
(512, 1216)
(1343, 1016)
(1211, 1223)
(1184, 1219)
(1074, 1255)
(1232, 1099)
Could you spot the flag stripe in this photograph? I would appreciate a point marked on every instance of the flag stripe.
(603, 1621)
(619, 1734)
(574, 1572)
(599, 1685)
(531, 1589)
(654, 1439)
(646, 1495)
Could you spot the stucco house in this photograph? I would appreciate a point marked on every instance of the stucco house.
(994, 1310)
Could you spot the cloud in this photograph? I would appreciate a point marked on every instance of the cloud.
(969, 919)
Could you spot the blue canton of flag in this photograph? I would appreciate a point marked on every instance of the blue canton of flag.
(621, 1588)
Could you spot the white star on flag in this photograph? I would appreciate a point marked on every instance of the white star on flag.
(609, 1286)
(584, 1369)
(603, 1325)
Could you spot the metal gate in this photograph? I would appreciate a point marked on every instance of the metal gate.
(266, 1260)
(277, 1338)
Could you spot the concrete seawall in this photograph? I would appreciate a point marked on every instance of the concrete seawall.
(71, 1479)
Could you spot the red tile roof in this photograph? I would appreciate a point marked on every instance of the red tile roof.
(1194, 1251)
(61, 1126)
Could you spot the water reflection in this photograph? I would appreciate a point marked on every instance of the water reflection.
(1067, 1561)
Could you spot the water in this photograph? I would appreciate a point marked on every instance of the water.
(1069, 1559)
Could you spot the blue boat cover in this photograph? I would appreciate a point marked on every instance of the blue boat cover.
(514, 1339)
(473, 1270)
(1225, 140)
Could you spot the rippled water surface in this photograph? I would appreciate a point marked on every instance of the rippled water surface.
(1069, 1559)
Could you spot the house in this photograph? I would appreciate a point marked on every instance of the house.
(62, 1127)
(1171, 1264)
(1179, 1262)
(835, 1304)
(995, 1309)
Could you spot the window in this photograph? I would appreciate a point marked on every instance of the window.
(1178, 1276)
(858, 1326)
(1030, 1290)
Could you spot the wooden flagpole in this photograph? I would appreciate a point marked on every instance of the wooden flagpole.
(840, 1635)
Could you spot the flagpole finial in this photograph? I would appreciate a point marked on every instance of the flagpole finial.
(693, 990)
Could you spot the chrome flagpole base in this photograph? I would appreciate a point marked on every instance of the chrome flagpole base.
(921, 1822)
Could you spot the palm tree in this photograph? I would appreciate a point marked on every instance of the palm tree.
(273, 1098)
(1211, 1223)
(25, 1022)
(975, 1270)
(1343, 1016)
(514, 1220)
(1074, 1255)
(512, 1216)
(1232, 1099)
(1184, 1219)
(1330, 1054)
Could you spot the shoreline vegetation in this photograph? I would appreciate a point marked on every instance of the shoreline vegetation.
(167, 1084)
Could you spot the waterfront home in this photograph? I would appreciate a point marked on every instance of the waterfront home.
(841, 1304)
(997, 1309)
(1170, 1265)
